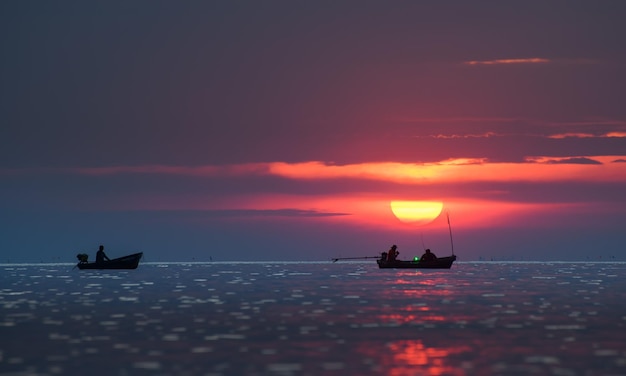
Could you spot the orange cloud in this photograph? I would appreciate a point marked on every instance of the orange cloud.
(366, 209)
(461, 170)
(452, 136)
(532, 60)
(616, 134)
(571, 135)
(588, 135)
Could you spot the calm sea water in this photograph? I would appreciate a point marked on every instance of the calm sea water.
(346, 318)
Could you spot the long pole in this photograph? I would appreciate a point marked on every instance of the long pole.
(355, 258)
(450, 228)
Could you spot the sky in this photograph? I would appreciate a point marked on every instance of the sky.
(282, 130)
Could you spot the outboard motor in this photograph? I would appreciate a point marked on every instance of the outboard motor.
(82, 258)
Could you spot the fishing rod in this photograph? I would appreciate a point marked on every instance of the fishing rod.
(354, 258)
(450, 228)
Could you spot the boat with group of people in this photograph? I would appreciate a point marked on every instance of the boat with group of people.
(389, 259)
(427, 261)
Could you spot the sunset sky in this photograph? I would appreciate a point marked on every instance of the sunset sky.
(283, 130)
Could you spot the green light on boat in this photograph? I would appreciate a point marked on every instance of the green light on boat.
(416, 258)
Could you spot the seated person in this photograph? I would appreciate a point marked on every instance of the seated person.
(392, 253)
(101, 256)
(428, 256)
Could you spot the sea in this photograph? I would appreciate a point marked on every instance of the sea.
(314, 318)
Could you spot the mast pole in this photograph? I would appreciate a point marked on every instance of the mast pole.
(450, 228)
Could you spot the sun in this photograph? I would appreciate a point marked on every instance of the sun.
(416, 212)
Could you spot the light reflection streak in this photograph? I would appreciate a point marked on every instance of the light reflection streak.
(430, 291)
(412, 357)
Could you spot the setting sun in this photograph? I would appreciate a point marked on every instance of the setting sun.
(416, 212)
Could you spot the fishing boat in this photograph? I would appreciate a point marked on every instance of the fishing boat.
(125, 262)
(387, 261)
(439, 263)
(383, 263)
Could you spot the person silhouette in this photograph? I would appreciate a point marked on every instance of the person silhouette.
(101, 256)
(392, 253)
(428, 256)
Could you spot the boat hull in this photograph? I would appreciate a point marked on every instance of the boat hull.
(439, 263)
(126, 262)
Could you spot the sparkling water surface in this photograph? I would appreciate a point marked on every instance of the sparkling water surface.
(345, 318)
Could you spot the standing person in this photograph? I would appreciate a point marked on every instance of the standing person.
(101, 256)
(428, 256)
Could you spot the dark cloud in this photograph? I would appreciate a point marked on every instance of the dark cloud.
(581, 160)
(251, 213)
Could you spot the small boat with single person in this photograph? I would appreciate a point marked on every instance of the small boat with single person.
(125, 262)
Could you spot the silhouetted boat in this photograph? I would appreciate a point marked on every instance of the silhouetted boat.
(384, 263)
(126, 262)
(439, 263)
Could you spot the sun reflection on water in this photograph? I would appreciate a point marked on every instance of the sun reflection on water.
(317, 319)
(413, 357)
(432, 360)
